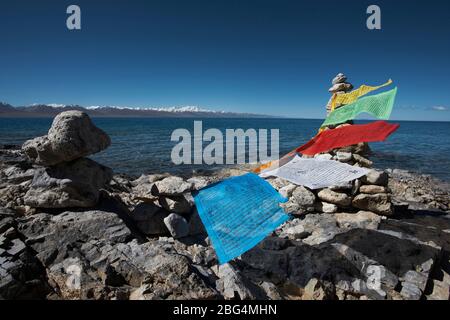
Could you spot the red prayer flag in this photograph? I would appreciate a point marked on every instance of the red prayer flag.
(347, 136)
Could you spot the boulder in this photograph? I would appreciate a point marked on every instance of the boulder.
(233, 285)
(326, 207)
(18, 175)
(11, 196)
(55, 238)
(440, 288)
(360, 148)
(338, 198)
(21, 275)
(148, 178)
(149, 219)
(345, 186)
(343, 156)
(379, 178)
(278, 183)
(410, 291)
(71, 136)
(161, 272)
(341, 87)
(361, 220)
(379, 203)
(312, 230)
(177, 225)
(302, 200)
(363, 162)
(171, 186)
(323, 156)
(340, 78)
(318, 290)
(142, 187)
(71, 184)
(198, 182)
(372, 189)
(287, 191)
(177, 204)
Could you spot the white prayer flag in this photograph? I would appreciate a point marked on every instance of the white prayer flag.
(316, 173)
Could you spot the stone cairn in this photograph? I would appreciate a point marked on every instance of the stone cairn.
(339, 86)
(63, 177)
(369, 193)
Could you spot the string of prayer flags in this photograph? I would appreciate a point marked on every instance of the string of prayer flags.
(379, 105)
(316, 173)
(238, 213)
(347, 136)
(347, 98)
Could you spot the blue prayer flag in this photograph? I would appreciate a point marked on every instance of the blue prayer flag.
(238, 213)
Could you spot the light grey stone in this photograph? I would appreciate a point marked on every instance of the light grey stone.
(198, 182)
(71, 136)
(361, 220)
(364, 162)
(338, 198)
(177, 225)
(323, 156)
(372, 189)
(176, 204)
(302, 200)
(341, 87)
(326, 207)
(379, 203)
(233, 285)
(171, 186)
(376, 177)
(340, 78)
(287, 191)
(343, 156)
(66, 185)
(410, 291)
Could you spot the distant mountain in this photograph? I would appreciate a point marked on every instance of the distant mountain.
(4, 107)
(51, 110)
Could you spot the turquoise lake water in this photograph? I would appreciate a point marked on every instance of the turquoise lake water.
(142, 145)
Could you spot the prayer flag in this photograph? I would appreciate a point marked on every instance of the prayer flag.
(379, 105)
(347, 98)
(347, 136)
(238, 213)
(317, 173)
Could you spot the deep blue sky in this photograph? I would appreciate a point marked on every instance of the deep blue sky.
(273, 57)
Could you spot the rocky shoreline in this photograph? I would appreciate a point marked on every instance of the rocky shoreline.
(72, 229)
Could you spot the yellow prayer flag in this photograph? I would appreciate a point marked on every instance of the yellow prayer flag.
(347, 98)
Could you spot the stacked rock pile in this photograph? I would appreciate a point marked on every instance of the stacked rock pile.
(369, 193)
(62, 176)
(339, 86)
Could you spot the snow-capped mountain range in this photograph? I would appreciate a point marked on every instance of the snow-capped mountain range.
(165, 109)
(51, 109)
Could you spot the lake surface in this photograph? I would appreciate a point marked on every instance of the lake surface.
(143, 145)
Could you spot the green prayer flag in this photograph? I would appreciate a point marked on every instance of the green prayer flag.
(379, 105)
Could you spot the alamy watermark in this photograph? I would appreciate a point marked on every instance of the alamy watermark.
(238, 146)
(374, 20)
(73, 21)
